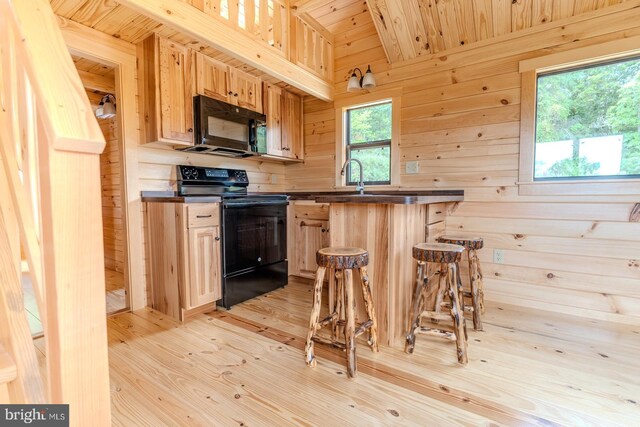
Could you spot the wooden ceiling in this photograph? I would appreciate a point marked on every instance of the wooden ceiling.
(410, 28)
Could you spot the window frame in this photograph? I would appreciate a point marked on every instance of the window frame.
(365, 145)
(378, 97)
(558, 62)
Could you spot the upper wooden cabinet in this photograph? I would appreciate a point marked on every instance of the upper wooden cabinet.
(166, 80)
(273, 111)
(247, 90)
(212, 78)
(292, 125)
(284, 122)
(217, 80)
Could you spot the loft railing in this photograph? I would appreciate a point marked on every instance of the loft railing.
(50, 208)
(297, 37)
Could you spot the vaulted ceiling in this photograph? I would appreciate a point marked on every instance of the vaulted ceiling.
(410, 28)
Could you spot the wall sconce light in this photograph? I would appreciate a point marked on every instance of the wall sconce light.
(107, 107)
(366, 81)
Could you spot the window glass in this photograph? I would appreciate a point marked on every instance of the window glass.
(588, 122)
(369, 140)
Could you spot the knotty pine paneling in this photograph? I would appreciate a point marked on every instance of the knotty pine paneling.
(111, 174)
(460, 120)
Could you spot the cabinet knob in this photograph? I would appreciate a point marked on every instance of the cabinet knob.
(323, 230)
(190, 130)
(230, 92)
(217, 239)
(235, 94)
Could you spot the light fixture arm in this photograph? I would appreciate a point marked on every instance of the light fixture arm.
(361, 75)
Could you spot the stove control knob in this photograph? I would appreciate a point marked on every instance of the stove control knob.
(259, 259)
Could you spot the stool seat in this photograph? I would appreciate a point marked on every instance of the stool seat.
(437, 252)
(465, 241)
(342, 257)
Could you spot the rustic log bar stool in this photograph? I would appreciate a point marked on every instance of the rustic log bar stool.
(471, 244)
(342, 261)
(447, 256)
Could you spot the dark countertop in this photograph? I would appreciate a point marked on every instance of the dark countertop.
(173, 197)
(375, 197)
(381, 197)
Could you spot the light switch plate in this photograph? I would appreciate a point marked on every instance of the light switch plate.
(412, 167)
(498, 256)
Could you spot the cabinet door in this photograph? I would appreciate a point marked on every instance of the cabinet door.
(273, 111)
(247, 90)
(212, 78)
(176, 81)
(311, 236)
(204, 258)
(292, 125)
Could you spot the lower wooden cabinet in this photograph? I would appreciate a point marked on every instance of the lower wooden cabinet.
(308, 232)
(184, 257)
(204, 266)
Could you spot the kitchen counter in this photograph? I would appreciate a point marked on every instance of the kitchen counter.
(173, 197)
(381, 197)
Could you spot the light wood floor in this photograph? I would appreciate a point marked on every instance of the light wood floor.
(114, 294)
(115, 291)
(245, 367)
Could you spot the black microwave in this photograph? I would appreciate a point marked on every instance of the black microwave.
(226, 129)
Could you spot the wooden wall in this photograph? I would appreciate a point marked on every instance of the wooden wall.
(460, 121)
(111, 184)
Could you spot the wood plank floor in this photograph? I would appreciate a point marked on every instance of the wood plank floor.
(245, 367)
(115, 291)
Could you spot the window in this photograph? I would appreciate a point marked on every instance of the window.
(588, 122)
(368, 131)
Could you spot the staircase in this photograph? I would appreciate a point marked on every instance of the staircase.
(8, 373)
(50, 207)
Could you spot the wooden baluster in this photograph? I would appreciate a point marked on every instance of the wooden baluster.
(264, 20)
(250, 16)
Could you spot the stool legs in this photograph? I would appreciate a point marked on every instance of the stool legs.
(315, 317)
(416, 310)
(371, 312)
(457, 315)
(475, 281)
(447, 282)
(350, 328)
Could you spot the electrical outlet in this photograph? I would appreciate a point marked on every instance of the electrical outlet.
(412, 167)
(498, 256)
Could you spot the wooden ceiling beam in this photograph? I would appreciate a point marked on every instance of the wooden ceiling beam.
(93, 81)
(188, 20)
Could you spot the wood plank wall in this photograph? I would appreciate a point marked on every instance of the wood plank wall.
(111, 184)
(460, 121)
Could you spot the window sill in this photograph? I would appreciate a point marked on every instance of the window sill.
(591, 187)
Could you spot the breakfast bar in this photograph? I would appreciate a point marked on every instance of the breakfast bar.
(387, 225)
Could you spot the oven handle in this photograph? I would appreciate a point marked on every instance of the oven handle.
(250, 204)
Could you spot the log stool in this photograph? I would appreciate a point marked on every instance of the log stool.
(447, 256)
(471, 244)
(342, 261)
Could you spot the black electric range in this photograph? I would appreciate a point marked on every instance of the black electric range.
(254, 231)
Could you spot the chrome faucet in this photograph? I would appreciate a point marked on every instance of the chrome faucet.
(360, 186)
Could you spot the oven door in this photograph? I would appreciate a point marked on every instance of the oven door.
(254, 234)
